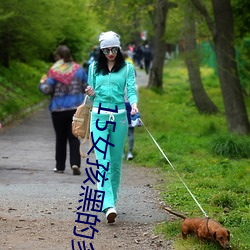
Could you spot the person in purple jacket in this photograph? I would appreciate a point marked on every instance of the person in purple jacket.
(65, 83)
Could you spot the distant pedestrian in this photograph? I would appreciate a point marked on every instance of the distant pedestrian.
(128, 108)
(65, 84)
(93, 55)
(147, 54)
(138, 56)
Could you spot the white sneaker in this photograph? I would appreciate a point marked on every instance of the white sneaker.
(76, 170)
(111, 214)
(58, 171)
(129, 156)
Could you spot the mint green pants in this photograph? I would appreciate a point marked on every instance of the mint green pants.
(113, 154)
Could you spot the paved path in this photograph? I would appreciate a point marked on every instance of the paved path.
(30, 192)
(141, 78)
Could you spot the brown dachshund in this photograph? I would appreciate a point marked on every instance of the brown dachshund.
(204, 229)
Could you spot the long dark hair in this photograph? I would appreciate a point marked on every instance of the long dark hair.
(101, 63)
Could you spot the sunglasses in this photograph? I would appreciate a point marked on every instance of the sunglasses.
(106, 51)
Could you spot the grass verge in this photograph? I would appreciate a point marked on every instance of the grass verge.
(214, 164)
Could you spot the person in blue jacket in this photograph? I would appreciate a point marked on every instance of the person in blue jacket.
(108, 77)
(65, 83)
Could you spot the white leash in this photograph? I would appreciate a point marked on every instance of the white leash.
(174, 170)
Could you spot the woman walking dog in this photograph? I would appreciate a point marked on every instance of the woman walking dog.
(108, 77)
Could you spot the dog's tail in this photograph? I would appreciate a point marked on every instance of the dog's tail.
(175, 213)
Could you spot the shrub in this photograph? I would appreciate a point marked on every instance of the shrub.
(223, 200)
(231, 146)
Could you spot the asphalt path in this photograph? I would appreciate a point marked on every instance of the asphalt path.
(29, 188)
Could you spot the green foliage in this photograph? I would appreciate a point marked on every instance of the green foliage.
(175, 25)
(175, 28)
(224, 200)
(241, 17)
(29, 33)
(231, 146)
(243, 59)
(170, 230)
(19, 87)
(219, 183)
(128, 18)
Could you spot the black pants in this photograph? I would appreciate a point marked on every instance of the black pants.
(130, 139)
(147, 66)
(62, 122)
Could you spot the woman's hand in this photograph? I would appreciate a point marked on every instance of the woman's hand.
(134, 109)
(90, 91)
(43, 79)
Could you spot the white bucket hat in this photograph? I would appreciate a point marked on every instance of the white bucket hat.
(109, 39)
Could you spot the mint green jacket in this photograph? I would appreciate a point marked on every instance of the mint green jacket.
(110, 88)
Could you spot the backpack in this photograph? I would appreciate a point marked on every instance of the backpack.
(81, 124)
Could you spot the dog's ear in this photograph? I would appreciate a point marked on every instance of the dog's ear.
(228, 237)
(214, 235)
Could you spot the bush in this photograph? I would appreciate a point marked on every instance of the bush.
(19, 88)
(231, 146)
(223, 200)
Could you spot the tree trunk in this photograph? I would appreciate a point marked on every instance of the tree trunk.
(201, 99)
(223, 38)
(235, 109)
(159, 47)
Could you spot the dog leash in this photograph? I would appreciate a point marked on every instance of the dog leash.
(174, 170)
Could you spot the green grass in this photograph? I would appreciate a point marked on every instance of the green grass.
(214, 164)
(19, 88)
